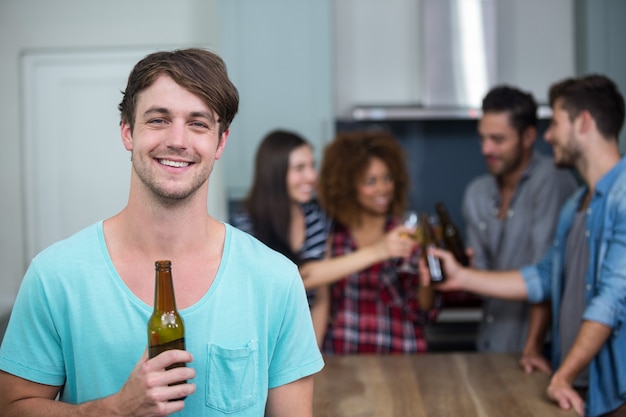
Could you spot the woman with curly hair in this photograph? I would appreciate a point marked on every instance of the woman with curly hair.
(363, 189)
(282, 212)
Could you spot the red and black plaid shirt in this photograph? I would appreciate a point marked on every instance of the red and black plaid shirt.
(375, 310)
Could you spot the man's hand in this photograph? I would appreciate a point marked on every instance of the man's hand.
(562, 393)
(148, 392)
(530, 361)
(452, 269)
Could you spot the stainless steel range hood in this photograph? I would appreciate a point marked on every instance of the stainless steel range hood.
(458, 62)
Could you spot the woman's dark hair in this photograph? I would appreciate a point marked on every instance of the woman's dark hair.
(346, 160)
(268, 203)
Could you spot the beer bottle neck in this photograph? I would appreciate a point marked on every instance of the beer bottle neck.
(164, 299)
(443, 215)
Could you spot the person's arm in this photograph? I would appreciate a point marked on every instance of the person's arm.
(591, 337)
(145, 393)
(320, 312)
(532, 355)
(329, 270)
(291, 400)
(508, 285)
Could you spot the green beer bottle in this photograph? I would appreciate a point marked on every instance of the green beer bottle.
(451, 235)
(166, 329)
(430, 231)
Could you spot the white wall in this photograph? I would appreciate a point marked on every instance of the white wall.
(279, 55)
(68, 24)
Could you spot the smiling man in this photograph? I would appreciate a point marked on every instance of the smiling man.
(79, 325)
(511, 215)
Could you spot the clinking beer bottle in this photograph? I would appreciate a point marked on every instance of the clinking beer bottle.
(429, 240)
(166, 330)
(451, 235)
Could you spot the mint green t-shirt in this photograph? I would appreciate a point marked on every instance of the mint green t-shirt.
(75, 323)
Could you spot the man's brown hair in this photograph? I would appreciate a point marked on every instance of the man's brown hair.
(199, 71)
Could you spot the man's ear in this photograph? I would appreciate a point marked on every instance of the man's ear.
(222, 144)
(584, 122)
(528, 136)
(127, 136)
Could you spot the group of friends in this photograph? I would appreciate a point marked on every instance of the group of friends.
(344, 233)
(547, 255)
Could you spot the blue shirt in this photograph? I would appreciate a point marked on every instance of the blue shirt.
(316, 229)
(605, 284)
(75, 323)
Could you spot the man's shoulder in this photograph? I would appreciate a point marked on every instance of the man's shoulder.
(79, 242)
(544, 175)
(621, 173)
(480, 185)
(242, 241)
(69, 259)
(250, 259)
(545, 170)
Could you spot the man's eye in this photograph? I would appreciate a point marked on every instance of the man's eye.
(200, 125)
(156, 121)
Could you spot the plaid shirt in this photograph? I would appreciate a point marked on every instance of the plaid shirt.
(375, 310)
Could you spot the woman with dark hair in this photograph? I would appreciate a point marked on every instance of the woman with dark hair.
(363, 189)
(281, 211)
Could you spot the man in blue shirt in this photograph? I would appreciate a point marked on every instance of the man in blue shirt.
(584, 272)
(78, 329)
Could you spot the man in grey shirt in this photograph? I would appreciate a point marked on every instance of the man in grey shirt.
(511, 214)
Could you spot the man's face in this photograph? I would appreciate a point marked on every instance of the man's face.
(560, 135)
(500, 144)
(174, 142)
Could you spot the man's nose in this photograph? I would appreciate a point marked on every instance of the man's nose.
(486, 146)
(177, 135)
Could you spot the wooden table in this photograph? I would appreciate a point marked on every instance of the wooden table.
(430, 385)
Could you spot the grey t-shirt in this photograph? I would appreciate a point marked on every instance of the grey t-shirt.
(522, 238)
(573, 301)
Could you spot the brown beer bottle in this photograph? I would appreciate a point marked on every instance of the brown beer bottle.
(451, 235)
(166, 330)
(429, 240)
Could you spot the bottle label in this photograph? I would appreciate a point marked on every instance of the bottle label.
(174, 344)
(154, 350)
(434, 266)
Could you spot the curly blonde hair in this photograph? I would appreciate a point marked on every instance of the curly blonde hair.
(345, 162)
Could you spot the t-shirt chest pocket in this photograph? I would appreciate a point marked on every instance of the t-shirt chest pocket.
(232, 377)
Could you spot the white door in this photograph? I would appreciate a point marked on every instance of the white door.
(76, 170)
